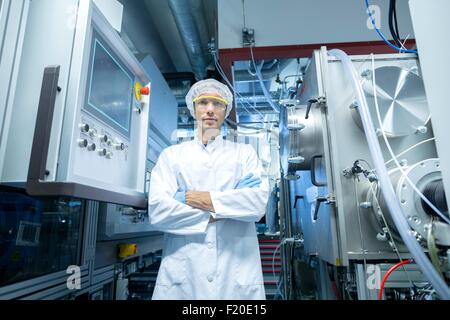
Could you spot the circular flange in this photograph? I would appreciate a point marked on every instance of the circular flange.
(401, 100)
(421, 174)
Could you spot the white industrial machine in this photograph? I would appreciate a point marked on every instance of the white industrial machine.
(77, 123)
(11, 43)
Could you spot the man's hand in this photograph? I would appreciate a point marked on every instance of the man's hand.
(180, 195)
(200, 199)
(249, 181)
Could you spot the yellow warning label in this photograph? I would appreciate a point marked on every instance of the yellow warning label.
(137, 91)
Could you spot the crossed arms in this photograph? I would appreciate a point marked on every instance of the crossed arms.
(168, 214)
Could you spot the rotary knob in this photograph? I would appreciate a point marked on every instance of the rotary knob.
(119, 146)
(103, 138)
(92, 132)
(83, 143)
(84, 127)
(91, 147)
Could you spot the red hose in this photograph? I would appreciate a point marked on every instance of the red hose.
(388, 273)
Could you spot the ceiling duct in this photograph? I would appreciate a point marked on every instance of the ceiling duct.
(181, 10)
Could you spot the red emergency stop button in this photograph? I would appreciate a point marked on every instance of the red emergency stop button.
(145, 91)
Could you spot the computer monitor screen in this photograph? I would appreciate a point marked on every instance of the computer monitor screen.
(110, 87)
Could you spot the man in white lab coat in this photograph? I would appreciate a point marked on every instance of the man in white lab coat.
(206, 195)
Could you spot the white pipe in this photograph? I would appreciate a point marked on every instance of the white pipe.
(386, 187)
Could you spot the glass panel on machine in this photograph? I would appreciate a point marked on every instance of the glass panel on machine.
(110, 88)
(37, 236)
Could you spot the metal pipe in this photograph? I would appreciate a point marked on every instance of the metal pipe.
(285, 232)
(190, 35)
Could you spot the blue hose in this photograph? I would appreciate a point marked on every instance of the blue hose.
(381, 34)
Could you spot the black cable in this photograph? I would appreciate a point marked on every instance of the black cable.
(397, 33)
(391, 23)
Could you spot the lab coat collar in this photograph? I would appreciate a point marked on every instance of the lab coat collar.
(212, 143)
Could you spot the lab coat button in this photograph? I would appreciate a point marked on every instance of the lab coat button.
(210, 245)
(210, 278)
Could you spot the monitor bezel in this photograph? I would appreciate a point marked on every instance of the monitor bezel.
(97, 38)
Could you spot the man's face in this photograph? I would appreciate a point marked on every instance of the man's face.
(210, 112)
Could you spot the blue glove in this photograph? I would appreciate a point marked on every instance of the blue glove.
(180, 196)
(249, 181)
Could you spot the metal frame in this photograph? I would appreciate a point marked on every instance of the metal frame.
(54, 285)
(118, 222)
(90, 237)
(400, 278)
(92, 109)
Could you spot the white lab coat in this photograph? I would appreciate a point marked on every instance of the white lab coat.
(203, 260)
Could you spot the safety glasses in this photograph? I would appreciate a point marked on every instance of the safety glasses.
(202, 102)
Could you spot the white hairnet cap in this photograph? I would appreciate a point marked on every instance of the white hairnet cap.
(209, 86)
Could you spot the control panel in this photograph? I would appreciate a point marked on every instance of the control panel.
(101, 141)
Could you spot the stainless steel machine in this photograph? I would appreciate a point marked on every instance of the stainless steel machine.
(344, 218)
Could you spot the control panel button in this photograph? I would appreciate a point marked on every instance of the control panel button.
(104, 138)
(82, 143)
(102, 152)
(145, 91)
(119, 146)
(91, 147)
(109, 155)
(92, 132)
(84, 127)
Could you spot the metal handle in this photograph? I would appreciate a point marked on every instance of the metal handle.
(296, 198)
(308, 108)
(319, 200)
(313, 172)
(39, 151)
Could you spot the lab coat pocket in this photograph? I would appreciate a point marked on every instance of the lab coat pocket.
(174, 264)
(248, 270)
(172, 271)
(248, 276)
